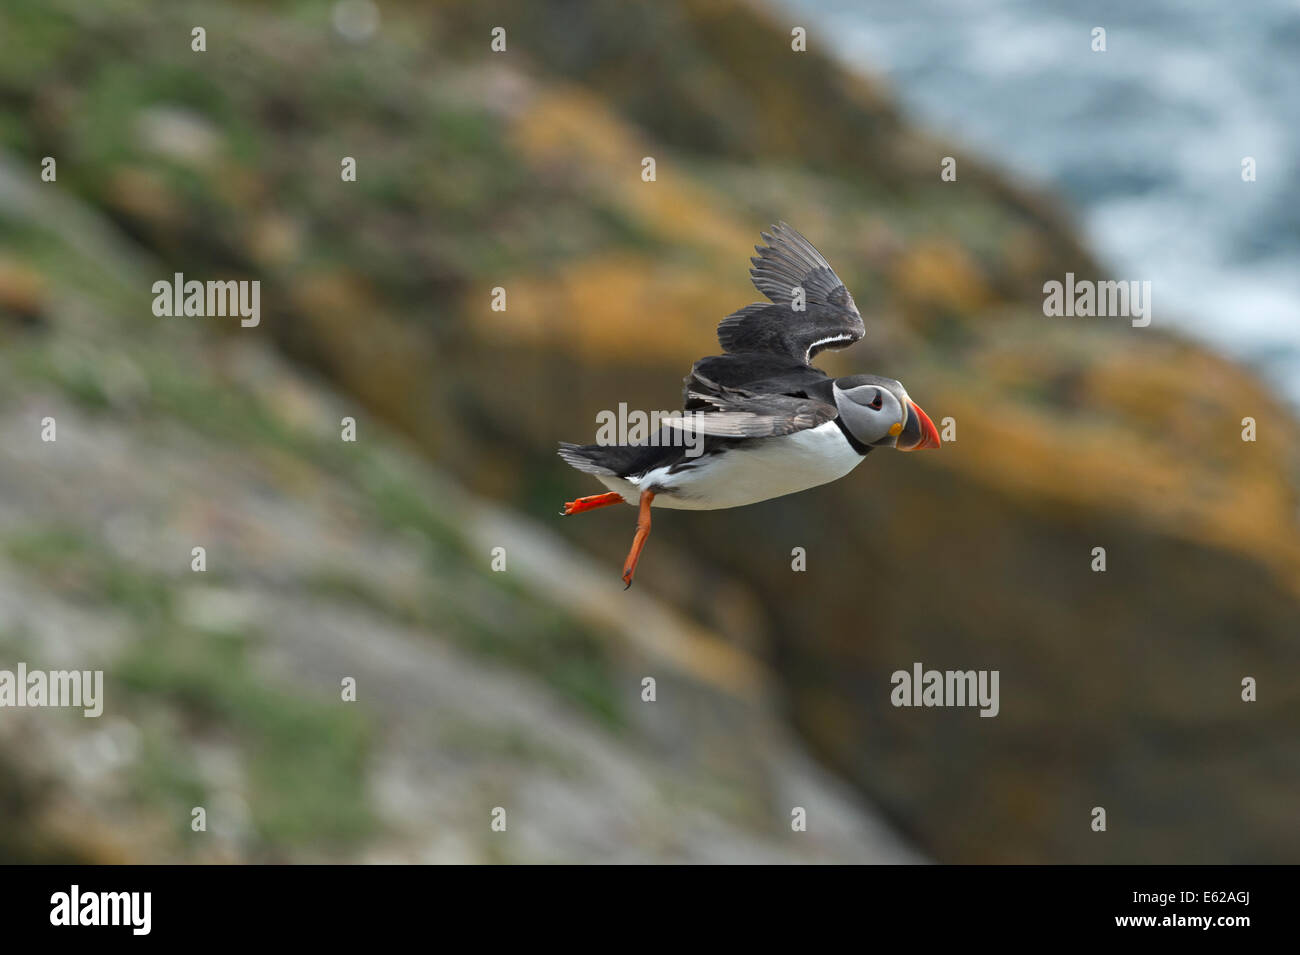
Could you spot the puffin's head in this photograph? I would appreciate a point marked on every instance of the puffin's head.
(878, 412)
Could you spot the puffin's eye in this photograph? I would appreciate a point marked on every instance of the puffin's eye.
(876, 402)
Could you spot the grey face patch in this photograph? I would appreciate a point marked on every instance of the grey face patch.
(870, 406)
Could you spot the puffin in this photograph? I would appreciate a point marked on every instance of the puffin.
(759, 421)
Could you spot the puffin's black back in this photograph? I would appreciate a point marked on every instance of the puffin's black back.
(632, 460)
(759, 373)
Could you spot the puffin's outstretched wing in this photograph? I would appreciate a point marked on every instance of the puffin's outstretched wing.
(734, 412)
(828, 318)
(763, 416)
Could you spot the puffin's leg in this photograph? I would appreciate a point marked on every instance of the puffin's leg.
(638, 542)
(591, 503)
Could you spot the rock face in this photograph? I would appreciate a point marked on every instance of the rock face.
(522, 171)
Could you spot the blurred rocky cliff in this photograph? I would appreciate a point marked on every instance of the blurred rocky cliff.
(522, 170)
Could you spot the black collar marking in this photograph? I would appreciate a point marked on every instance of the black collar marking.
(857, 445)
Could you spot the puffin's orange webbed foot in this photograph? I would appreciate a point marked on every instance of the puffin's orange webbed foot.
(591, 503)
(638, 542)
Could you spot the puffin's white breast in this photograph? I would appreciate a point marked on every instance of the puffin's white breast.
(758, 470)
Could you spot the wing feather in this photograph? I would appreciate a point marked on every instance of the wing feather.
(828, 319)
(739, 412)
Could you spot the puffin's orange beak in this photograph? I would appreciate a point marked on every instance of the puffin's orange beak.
(919, 431)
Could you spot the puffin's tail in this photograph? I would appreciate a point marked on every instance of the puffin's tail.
(589, 458)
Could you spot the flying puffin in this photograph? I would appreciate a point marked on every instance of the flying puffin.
(762, 421)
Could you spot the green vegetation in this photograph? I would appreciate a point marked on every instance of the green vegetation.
(305, 758)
